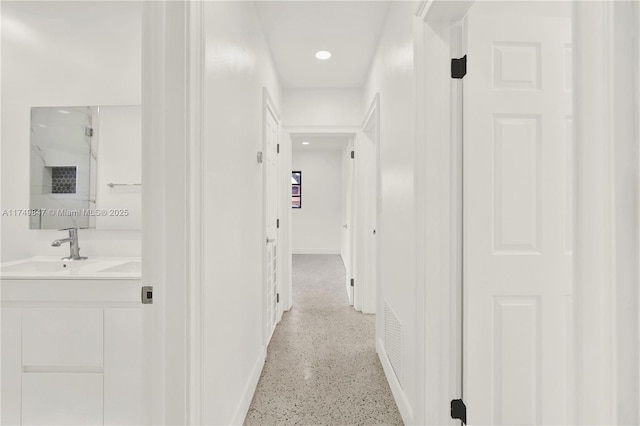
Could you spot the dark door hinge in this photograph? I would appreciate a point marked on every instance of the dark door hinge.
(277, 223)
(353, 154)
(278, 148)
(352, 282)
(459, 67)
(277, 297)
(459, 410)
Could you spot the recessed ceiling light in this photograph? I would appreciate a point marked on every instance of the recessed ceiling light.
(323, 54)
(305, 143)
(63, 111)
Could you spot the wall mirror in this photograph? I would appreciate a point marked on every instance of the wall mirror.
(85, 167)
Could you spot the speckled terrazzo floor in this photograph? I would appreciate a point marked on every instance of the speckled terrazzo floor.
(322, 368)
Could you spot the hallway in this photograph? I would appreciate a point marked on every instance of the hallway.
(321, 365)
(285, 212)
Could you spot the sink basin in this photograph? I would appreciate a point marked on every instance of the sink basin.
(43, 266)
(125, 267)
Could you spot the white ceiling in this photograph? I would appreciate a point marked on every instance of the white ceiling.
(296, 30)
(553, 8)
(320, 142)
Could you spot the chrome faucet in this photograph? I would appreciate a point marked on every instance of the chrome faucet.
(74, 249)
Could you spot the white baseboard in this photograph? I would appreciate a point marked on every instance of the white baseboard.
(315, 251)
(249, 390)
(396, 389)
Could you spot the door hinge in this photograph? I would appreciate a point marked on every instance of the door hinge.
(459, 67)
(278, 149)
(147, 295)
(277, 297)
(88, 131)
(353, 154)
(259, 157)
(352, 282)
(459, 410)
(277, 223)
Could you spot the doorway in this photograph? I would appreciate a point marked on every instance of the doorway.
(271, 170)
(343, 220)
(498, 184)
(319, 187)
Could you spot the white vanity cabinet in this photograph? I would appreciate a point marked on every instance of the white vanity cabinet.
(71, 351)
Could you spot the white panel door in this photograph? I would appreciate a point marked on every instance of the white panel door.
(271, 217)
(350, 213)
(366, 213)
(373, 201)
(517, 241)
(364, 221)
(371, 206)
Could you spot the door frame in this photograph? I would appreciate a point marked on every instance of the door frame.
(606, 235)
(438, 153)
(268, 107)
(438, 182)
(195, 274)
(297, 133)
(172, 246)
(637, 156)
(366, 290)
(288, 133)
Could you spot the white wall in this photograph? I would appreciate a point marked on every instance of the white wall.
(392, 75)
(62, 54)
(317, 226)
(119, 131)
(322, 107)
(237, 66)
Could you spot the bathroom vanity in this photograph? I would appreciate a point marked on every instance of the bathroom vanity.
(71, 341)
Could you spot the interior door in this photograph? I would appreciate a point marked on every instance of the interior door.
(271, 217)
(364, 290)
(350, 198)
(371, 206)
(517, 230)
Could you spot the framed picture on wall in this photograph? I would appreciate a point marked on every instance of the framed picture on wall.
(296, 189)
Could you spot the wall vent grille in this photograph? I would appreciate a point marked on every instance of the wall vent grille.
(393, 340)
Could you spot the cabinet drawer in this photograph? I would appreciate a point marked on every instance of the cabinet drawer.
(62, 337)
(61, 399)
